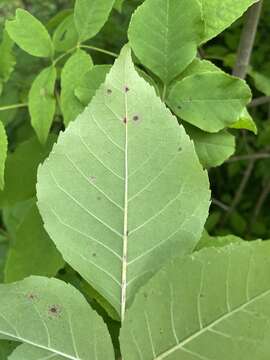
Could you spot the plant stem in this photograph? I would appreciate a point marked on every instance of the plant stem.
(94, 48)
(259, 101)
(60, 57)
(13, 106)
(249, 157)
(247, 40)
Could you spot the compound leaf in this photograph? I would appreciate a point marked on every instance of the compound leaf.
(53, 317)
(209, 100)
(30, 34)
(120, 172)
(218, 298)
(164, 35)
(90, 16)
(42, 102)
(72, 74)
(65, 36)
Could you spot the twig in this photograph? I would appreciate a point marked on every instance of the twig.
(259, 101)
(94, 48)
(240, 190)
(261, 200)
(257, 156)
(13, 106)
(247, 40)
(220, 204)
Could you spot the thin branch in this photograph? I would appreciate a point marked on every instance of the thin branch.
(262, 100)
(257, 156)
(94, 48)
(247, 40)
(259, 204)
(220, 204)
(13, 106)
(240, 190)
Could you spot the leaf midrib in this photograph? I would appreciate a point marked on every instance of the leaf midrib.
(217, 321)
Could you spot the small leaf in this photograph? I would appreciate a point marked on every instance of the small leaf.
(164, 35)
(21, 171)
(32, 252)
(42, 102)
(3, 154)
(219, 15)
(90, 16)
(245, 121)
(72, 74)
(7, 59)
(262, 82)
(30, 34)
(106, 187)
(65, 36)
(91, 81)
(54, 320)
(217, 307)
(211, 100)
(212, 148)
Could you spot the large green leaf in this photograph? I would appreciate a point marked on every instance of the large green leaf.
(42, 102)
(209, 100)
(217, 241)
(216, 307)
(21, 171)
(164, 35)
(32, 252)
(219, 15)
(65, 36)
(7, 59)
(121, 172)
(73, 72)
(3, 154)
(29, 34)
(90, 16)
(212, 148)
(245, 121)
(54, 317)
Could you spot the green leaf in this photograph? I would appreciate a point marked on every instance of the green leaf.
(218, 15)
(211, 100)
(199, 67)
(30, 34)
(6, 348)
(55, 320)
(90, 16)
(245, 121)
(3, 154)
(107, 187)
(65, 36)
(21, 171)
(73, 72)
(32, 252)
(164, 35)
(212, 148)
(7, 59)
(42, 102)
(217, 241)
(91, 81)
(262, 82)
(217, 307)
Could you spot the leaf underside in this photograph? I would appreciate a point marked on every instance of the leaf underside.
(120, 172)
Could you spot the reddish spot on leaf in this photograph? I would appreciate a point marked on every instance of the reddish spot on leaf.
(54, 310)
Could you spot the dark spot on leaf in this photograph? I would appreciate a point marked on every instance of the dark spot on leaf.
(126, 89)
(32, 296)
(54, 310)
(201, 295)
(109, 91)
(180, 148)
(127, 232)
(94, 254)
(98, 198)
(145, 295)
(93, 178)
(179, 107)
(125, 120)
(136, 118)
